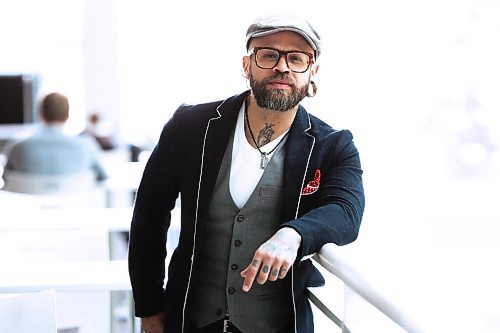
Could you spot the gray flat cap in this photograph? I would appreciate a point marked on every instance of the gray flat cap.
(268, 25)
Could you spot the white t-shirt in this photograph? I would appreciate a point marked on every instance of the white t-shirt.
(245, 163)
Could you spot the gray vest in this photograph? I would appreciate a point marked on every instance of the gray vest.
(232, 236)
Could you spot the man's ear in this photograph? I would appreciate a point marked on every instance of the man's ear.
(246, 66)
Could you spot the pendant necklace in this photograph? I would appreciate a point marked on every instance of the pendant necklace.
(264, 160)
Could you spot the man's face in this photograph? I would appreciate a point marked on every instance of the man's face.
(278, 88)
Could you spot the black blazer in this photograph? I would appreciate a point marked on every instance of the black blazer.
(186, 161)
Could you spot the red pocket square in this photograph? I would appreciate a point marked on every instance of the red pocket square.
(313, 185)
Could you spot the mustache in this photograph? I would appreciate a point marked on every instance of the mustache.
(281, 77)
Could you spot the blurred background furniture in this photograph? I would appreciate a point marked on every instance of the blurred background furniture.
(28, 313)
(22, 182)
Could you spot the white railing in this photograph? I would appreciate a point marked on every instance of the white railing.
(351, 279)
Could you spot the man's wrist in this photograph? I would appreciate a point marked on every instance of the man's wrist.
(291, 233)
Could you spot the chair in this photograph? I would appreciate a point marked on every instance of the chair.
(22, 182)
(54, 191)
(86, 311)
(27, 313)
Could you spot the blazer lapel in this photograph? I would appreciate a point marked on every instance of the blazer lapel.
(218, 132)
(298, 152)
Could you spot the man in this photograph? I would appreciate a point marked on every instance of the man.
(263, 185)
(101, 133)
(50, 151)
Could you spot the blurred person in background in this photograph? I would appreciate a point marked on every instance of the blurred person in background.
(50, 151)
(263, 185)
(100, 131)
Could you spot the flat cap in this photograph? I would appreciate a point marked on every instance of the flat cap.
(268, 25)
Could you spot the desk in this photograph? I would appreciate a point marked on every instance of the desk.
(117, 190)
(111, 219)
(65, 276)
(83, 291)
(122, 183)
(74, 263)
(123, 175)
(22, 201)
(64, 234)
(15, 132)
(82, 286)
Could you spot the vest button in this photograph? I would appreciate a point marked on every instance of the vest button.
(237, 243)
(230, 290)
(240, 218)
(234, 267)
(218, 312)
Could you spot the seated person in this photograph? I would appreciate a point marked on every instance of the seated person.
(100, 132)
(50, 151)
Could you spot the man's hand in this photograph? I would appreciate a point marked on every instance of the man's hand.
(153, 324)
(273, 259)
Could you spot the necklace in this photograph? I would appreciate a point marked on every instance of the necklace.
(264, 160)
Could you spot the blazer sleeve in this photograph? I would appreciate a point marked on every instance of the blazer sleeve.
(156, 196)
(335, 211)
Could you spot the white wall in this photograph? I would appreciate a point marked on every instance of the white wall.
(100, 60)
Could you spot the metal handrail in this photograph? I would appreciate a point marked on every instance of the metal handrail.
(333, 263)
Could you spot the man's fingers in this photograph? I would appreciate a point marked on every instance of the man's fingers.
(278, 270)
(273, 275)
(273, 259)
(264, 273)
(256, 263)
(250, 273)
(270, 270)
(283, 271)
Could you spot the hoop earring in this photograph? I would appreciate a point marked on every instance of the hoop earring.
(314, 89)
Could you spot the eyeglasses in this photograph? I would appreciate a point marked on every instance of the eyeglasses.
(268, 58)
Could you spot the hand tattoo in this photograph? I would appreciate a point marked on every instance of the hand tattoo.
(275, 272)
(265, 269)
(255, 263)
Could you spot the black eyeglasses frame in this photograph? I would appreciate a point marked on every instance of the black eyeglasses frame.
(284, 54)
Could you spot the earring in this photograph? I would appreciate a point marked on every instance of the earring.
(314, 89)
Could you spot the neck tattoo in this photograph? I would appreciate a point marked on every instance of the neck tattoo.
(264, 137)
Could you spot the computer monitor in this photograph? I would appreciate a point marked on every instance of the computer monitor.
(18, 106)
(18, 95)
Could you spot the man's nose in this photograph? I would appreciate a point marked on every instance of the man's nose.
(282, 66)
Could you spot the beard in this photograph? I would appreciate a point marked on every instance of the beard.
(276, 99)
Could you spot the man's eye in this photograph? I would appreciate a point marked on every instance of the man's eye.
(296, 59)
(269, 56)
